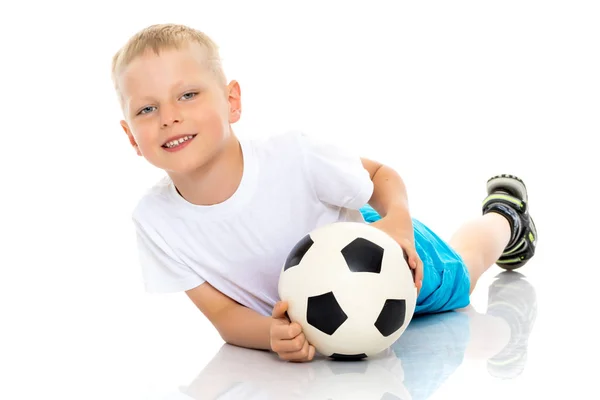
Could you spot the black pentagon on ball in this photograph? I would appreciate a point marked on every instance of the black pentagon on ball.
(347, 357)
(297, 252)
(324, 313)
(362, 255)
(391, 317)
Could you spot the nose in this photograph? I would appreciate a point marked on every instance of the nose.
(169, 115)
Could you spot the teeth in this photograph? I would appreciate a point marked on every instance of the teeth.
(174, 143)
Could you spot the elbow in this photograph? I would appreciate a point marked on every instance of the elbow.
(223, 332)
(226, 331)
(226, 337)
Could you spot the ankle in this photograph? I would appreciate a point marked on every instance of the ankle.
(501, 224)
(511, 223)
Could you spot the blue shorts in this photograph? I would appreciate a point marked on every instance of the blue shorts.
(446, 282)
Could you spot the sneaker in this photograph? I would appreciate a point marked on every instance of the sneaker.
(512, 298)
(507, 196)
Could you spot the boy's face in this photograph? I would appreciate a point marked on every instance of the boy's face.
(175, 96)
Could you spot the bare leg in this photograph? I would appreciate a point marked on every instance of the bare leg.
(480, 243)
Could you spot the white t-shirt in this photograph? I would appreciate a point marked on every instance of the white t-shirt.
(291, 184)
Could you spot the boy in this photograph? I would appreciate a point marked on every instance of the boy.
(221, 223)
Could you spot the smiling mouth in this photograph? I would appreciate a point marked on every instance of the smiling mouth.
(178, 142)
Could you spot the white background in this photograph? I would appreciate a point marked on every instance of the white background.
(447, 92)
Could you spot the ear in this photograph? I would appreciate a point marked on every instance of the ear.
(132, 141)
(234, 99)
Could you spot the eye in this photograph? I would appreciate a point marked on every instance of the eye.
(146, 110)
(189, 95)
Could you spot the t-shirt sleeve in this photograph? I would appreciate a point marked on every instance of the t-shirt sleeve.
(337, 175)
(161, 270)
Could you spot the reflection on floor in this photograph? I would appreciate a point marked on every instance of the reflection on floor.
(425, 356)
(434, 346)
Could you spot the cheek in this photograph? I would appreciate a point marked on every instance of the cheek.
(212, 123)
(144, 135)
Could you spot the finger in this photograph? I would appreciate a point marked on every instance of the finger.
(405, 254)
(419, 278)
(409, 256)
(413, 262)
(280, 332)
(291, 345)
(300, 355)
(414, 259)
(294, 355)
(294, 330)
(279, 309)
(285, 331)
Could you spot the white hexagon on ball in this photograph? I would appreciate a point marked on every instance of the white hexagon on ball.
(348, 285)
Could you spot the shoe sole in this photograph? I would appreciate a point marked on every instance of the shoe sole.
(513, 184)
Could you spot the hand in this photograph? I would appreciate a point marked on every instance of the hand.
(406, 240)
(287, 339)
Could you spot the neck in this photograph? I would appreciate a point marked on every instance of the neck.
(217, 180)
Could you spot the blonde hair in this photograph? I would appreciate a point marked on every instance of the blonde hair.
(160, 37)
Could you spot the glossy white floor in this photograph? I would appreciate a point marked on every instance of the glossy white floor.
(435, 358)
(446, 92)
(511, 343)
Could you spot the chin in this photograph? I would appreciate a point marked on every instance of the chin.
(188, 165)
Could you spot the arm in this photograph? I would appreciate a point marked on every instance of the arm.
(237, 325)
(243, 327)
(389, 193)
(390, 200)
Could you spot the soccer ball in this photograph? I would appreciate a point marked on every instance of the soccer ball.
(350, 288)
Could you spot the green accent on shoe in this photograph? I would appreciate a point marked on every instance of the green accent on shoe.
(496, 196)
(511, 260)
(515, 249)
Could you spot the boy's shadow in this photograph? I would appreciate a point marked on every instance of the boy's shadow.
(414, 367)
